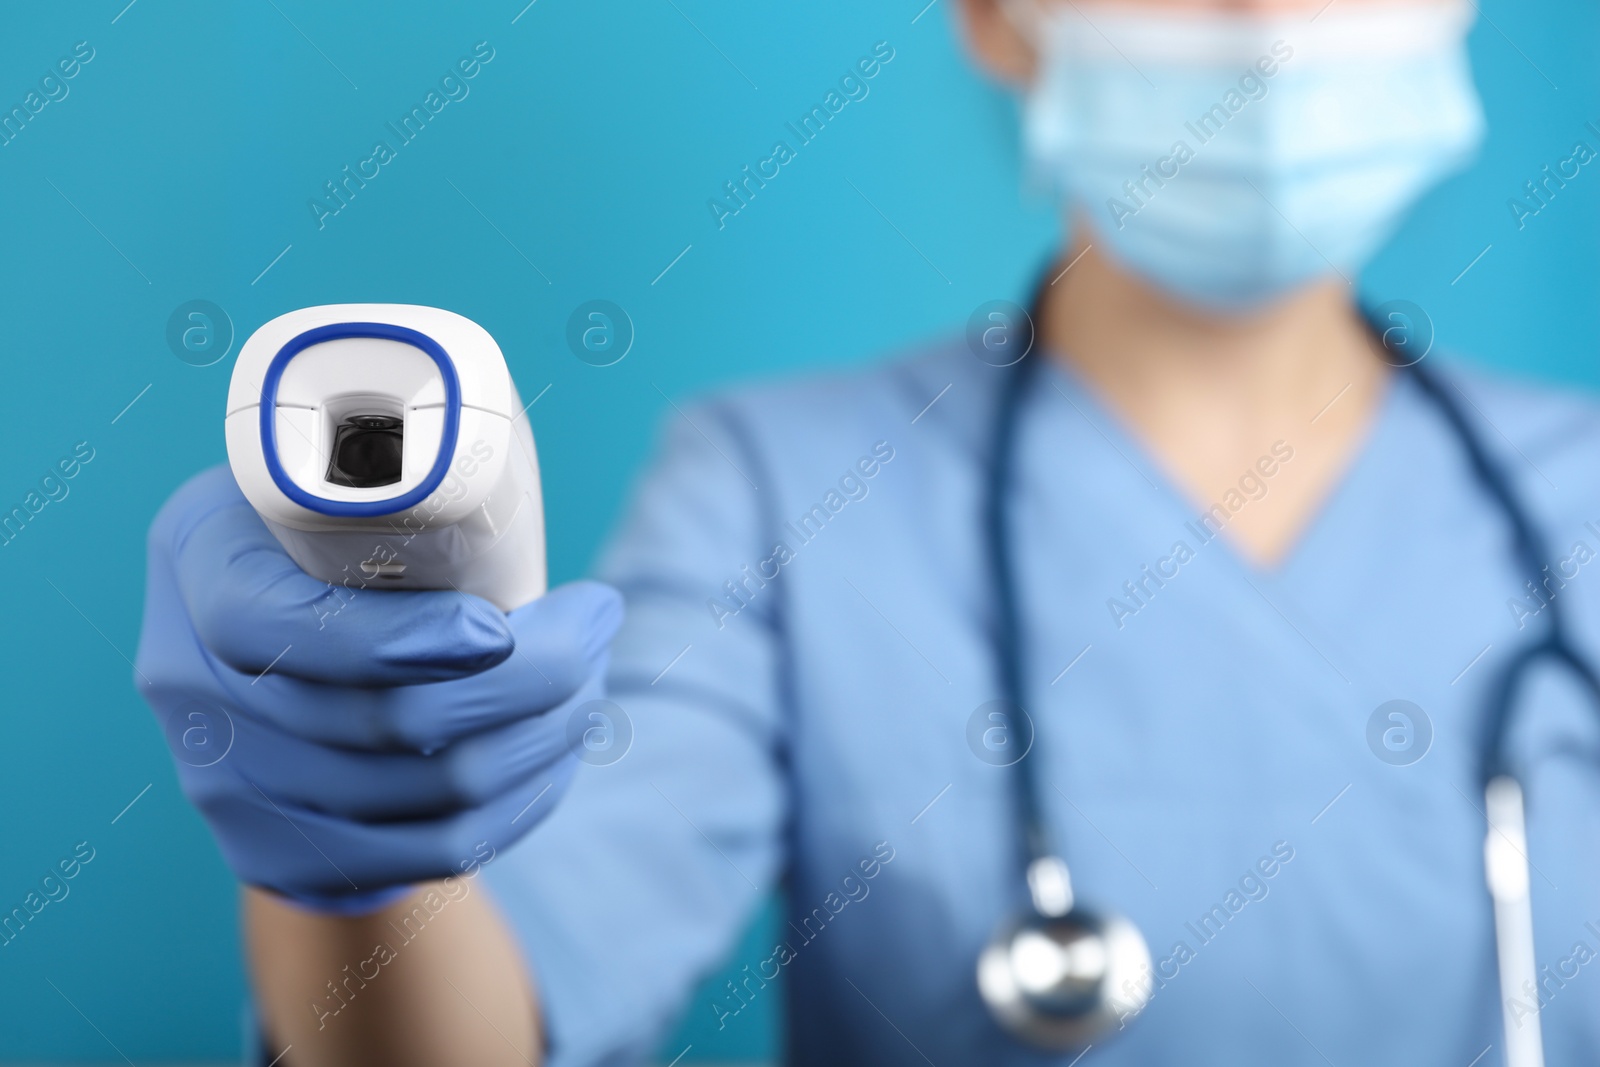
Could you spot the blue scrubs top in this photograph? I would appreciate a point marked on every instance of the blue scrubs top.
(808, 643)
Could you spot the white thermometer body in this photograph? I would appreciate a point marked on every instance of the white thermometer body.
(385, 446)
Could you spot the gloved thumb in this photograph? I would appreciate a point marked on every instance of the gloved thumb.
(254, 608)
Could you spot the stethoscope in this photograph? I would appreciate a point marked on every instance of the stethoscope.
(1059, 975)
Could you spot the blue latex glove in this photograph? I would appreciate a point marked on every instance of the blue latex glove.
(341, 744)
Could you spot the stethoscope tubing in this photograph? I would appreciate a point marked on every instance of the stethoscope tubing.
(1505, 856)
(1506, 861)
(1527, 543)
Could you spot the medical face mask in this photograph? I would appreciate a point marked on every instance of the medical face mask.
(1230, 158)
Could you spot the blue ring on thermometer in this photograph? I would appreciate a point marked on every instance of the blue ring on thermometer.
(339, 331)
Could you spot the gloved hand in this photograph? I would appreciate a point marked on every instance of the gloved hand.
(344, 743)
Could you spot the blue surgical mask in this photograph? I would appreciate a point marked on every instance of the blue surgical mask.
(1231, 158)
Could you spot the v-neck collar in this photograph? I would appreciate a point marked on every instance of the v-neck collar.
(1064, 380)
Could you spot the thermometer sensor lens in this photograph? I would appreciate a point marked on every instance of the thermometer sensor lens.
(367, 451)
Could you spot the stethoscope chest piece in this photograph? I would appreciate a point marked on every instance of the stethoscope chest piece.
(1057, 976)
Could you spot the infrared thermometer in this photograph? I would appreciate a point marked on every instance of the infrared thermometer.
(385, 446)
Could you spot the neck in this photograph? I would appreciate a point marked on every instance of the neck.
(1154, 358)
(1214, 398)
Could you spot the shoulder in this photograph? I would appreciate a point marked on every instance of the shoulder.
(728, 464)
(1546, 417)
(1546, 435)
(1546, 439)
(936, 395)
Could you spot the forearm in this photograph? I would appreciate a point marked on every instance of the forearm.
(407, 985)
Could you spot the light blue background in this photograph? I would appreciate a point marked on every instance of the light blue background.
(181, 164)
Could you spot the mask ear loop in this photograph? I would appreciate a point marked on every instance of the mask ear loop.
(1028, 19)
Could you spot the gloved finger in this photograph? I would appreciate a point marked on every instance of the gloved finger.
(295, 851)
(254, 608)
(561, 641)
(390, 786)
